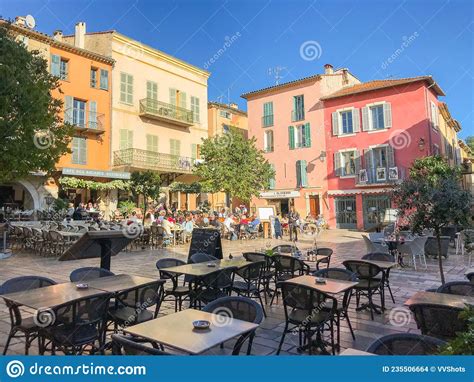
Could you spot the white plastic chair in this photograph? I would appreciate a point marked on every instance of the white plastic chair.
(374, 247)
(415, 248)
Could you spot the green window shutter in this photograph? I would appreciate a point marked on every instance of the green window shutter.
(335, 123)
(337, 163)
(173, 97)
(307, 135)
(92, 115)
(182, 100)
(83, 150)
(75, 150)
(365, 119)
(387, 115)
(304, 174)
(126, 139)
(355, 120)
(298, 174)
(152, 90)
(104, 79)
(291, 137)
(55, 65)
(152, 143)
(68, 101)
(129, 88)
(193, 151)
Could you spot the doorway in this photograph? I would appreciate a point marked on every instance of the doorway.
(374, 210)
(346, 216)
(314, 209)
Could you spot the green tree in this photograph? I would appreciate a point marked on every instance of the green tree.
(32, 133)
(432, 198)
(470, 142)
(146, 184)
(233, 164)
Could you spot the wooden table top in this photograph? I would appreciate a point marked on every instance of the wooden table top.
(202, 269)
(120, 282)
(176, 330)
(51, 296)
(382, 264)
(351, 351)
(332, 286)
(443, 299)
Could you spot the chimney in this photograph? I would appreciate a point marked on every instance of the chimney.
(234, 106)
(328, 69)
(58, 35)
(80, 35)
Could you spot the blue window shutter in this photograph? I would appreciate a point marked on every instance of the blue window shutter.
(104, 79)
(303, 175)
(92, 115)
(55, 65)
(307, 135)
(68, 100)
(291, 137)
(298, 174)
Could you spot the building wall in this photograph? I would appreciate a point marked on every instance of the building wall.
(449, 141)
(410, 123)
(216, 121)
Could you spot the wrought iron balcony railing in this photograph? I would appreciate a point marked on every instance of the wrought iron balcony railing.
(153, 108)
(86, 122)
(151, 160)
(380, 175)
(267, 120)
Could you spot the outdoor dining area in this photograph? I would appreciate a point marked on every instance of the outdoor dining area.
(286, 299)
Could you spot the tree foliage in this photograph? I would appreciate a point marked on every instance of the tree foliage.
(433, 198)
(71, 182)
(32, 133)
(147, 184)
(235, 165)
(470, 142)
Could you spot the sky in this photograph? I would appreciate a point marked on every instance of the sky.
(270, 40)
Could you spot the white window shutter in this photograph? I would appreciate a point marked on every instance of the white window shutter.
(337, 163)
(387, 115)
(93, 115)
(390, 156)
(68, 100)
(355, 120)
(365, 119)
(335, 123)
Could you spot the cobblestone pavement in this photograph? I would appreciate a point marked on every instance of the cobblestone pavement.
(346, 245)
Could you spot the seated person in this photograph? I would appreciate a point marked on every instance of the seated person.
(229, 225)
(214, 222)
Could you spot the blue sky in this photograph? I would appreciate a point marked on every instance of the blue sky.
(265, 34)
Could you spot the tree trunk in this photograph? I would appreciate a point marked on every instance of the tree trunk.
(145, 207)
(440, 260)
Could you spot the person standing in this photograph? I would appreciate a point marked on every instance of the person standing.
(293, 221)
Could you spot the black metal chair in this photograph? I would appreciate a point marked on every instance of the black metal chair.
(131, 305)
(323, 256)
(77, 324)
(129, 345)
(343, 306)
(287, 267)
(200, 257)
(89, 273)
(405, 344)
(18, 324)
(309, 312)
(178, 292)
(267, 272)
(369, 284)
(378, 256)
(463, 288)
(212, 286)
(251, 284)
(470, 276)
(438, 321)
(240, 308)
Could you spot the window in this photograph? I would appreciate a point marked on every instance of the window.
(379, 156)
(225, 114)
(175, 147)
(93, 77)
(346, 122)
(267, 119)
(126, 88)
(225, 128)
(434, 116)
(348, 166)
(152, 90)
(195, 108)
(126, 139)
(104, 79)
(79, 150)
(299, 136)
(301, 174)
(152, 143)
(79, 113)
(376, 116)
(268, 141)
(59, 67)
(298, 108)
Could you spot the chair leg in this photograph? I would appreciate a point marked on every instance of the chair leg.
(282, 339)
(349, 324)
(249, 347)
(261, 303)
(7, 344)
(390, 291)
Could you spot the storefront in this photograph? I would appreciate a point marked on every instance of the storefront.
(283, 200)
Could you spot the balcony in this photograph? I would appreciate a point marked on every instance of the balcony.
(380, 176)
(297, 115)
(162, 111)
(150, 160)
(267, 120)
(93, 125)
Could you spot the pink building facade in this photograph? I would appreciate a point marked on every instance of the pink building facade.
(374, 132)
(288, 122)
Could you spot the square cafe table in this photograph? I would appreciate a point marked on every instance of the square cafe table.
(202, 269)
(177, 331)
(120, 282)
(50, 296)
(385, 266)
(442, 299)
(332, 286)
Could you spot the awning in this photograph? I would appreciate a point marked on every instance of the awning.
(95, 173)
(358, 192)
(280, 194)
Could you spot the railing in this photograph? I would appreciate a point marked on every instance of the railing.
(94, 121)
(297, 115)
(267, 120)
(151, 160)
(380, 175)
(152, 108)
